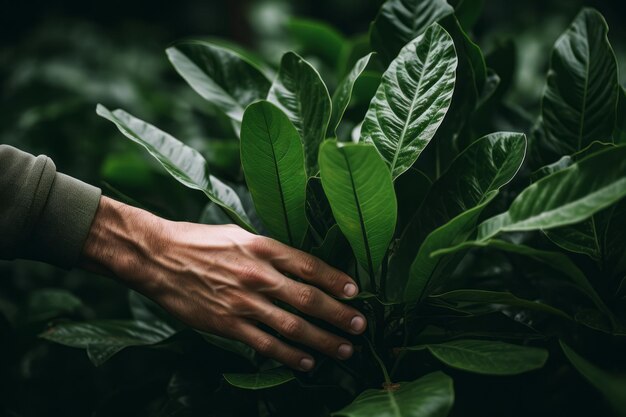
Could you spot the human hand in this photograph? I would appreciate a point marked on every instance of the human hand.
(224, 280)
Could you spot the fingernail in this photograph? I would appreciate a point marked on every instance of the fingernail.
(306, 364)
(357, 324)
(350, 290)
(345, 351)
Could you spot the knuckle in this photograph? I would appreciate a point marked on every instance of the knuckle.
(263, 345)
(334, 279)
(306, 296)
(292, 327)
(251, 272)
(260, 245)
(310, 266)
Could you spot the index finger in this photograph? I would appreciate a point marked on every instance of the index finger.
(313, 270)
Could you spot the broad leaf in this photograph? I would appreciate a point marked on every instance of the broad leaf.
(611, 386)
(553, 260)
(343, 94)
(485, 166)
(412, 100)
(300, 92)
(47, 303)
(581, 95)
(430, 396)
(317, 38)
(565, 197)
(185, 164)
(105, 338)
(222, 76)
(318, 211)
(468, 298)
(400, 21)
(273, 164)
(261, 380)
(424, 269)
(487, 357)
(360, 191)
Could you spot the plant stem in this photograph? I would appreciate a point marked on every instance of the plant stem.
(380, 362)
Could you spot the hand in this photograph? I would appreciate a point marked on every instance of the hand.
(223, 280)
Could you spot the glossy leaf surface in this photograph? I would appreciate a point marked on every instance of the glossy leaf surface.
(565, 197)
(581, 95)
(261, 380)
(487, 357)
(185, 164)
(430, 396)
(273, 163)
(400, 21)
(412, 99)
(220, 75)
(360, 191)
(300, 92)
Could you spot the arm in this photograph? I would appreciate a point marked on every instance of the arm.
(44, 215)
(223, 280)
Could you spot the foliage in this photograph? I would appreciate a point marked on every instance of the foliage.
(482, 256)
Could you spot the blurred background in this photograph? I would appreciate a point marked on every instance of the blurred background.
(58, 59)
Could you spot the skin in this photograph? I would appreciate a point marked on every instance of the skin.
(224, 280)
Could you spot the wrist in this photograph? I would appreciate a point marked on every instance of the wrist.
(120, 242)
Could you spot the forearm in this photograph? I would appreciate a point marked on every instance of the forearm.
(121, 243)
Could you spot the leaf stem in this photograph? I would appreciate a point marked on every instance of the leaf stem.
(380, 362)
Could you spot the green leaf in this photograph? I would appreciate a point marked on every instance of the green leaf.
(47, 303)
(273, 164)
(565, 197)
(343, 94)
(619, 133)
(317, 38)
(424, 269)
(581, 94)
(430, 396)
(333, 248)
(104, 338)
(487, 357)
(468, 12)
(261, 380)
(222, 76)
(400, 21)
(230, 345)
(412, 99)
(611, 386)
(184, 163)
(464, 298)
(300, 92)
(553, 260)
(484, 167)
(360, 191)
(411, 190)
(318, 211)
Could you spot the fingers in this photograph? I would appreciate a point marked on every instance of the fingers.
(268, 345)
(297, 329)
(316, 303)
(312, 269)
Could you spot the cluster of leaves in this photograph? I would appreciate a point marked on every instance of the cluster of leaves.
(464, 267)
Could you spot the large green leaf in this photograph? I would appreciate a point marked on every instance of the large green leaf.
(485, 166)
(222, 76)
(184, 163)
(400, 21)
(105, 338)
(430, 396)
(343, 94)
(273, 163)
(553, 260)
(424, 268)
(611, 386)
(565, 197)
(465, 298)
(317, 38)
(581, 95)
(412, 99)
(300, 92)
(487, 357)
(261, 380)
(360, 191)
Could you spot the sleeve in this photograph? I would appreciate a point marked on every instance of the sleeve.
(44, 215)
